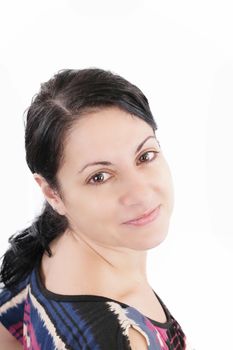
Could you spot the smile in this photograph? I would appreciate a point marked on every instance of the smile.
(153, 215)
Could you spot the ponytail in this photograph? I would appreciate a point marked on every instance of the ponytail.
(27, 247)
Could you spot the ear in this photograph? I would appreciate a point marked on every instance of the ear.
(50, 195)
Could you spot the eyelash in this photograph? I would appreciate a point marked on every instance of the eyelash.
(102, 172)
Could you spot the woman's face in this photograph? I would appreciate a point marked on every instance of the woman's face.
(98, 199)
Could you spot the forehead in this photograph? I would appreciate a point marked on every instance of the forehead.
(110, 128)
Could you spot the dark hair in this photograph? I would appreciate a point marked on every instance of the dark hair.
(67, 96)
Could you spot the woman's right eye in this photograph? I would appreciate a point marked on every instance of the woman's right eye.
(97, 176)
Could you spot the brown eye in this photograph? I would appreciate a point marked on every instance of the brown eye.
(148, 158)
(96, 178)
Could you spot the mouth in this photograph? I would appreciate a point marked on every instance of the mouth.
(147, 217)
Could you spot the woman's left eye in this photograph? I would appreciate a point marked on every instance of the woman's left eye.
(146, 153)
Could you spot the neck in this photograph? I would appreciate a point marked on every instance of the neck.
(87, 268)
(123, 263)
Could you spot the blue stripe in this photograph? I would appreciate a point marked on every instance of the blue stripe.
(42, 335)
(66, 320)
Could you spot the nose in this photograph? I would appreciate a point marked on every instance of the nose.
(137, 190)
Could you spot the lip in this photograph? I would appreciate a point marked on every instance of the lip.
(146, 218)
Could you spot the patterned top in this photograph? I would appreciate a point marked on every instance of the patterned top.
(41, 319)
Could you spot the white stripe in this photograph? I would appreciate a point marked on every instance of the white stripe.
(59, 344)
(125, 321)
(15, 301)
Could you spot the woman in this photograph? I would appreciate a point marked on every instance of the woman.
(76, 278)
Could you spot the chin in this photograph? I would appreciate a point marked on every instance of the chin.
(144, 243)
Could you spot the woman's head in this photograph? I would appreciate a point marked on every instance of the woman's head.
(97, 198)
(86, 116)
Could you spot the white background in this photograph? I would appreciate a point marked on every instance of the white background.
(180, 53)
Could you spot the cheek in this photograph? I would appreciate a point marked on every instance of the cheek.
(87, 209)
(169, 188)
(93, 220)
(164, 184)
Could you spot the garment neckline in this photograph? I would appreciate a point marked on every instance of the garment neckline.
(96, 298)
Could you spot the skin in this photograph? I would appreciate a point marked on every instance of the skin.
(98, 244)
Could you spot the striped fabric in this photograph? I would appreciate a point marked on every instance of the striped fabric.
(40, 319)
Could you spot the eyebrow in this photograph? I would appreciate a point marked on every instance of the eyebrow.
(104, 162)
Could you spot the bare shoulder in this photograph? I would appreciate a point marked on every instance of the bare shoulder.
(7, 341)
(137, 340)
